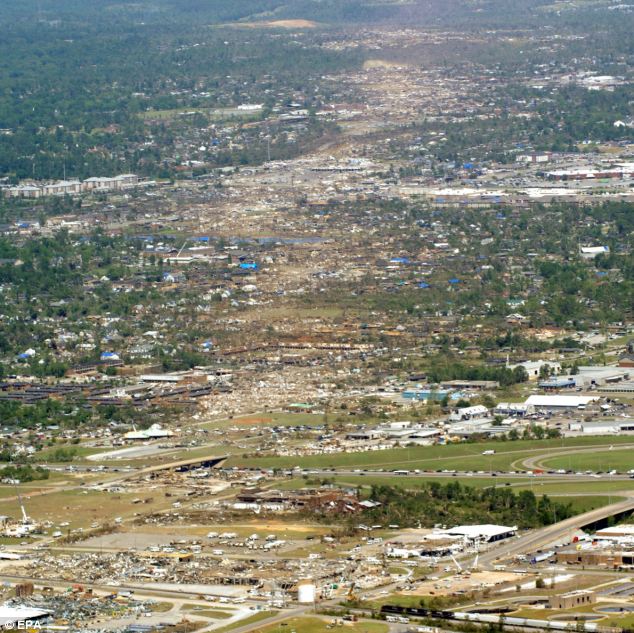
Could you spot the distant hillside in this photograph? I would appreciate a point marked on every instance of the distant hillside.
(414, 12)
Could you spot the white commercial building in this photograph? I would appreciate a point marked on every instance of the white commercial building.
(486, 533)
(469, 413)
(590, 252)
(517, 409)
(154, 432)
(558, 403)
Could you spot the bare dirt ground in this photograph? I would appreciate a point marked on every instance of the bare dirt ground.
(280, 24)
(464, 583)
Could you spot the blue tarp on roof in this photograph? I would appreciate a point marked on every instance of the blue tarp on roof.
(248, 266)
(399, 260)
(454, 280)
(423, 284)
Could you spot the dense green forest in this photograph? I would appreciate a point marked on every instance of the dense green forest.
(456, 504)
(72, 96)
(421, 12)
(24, 474)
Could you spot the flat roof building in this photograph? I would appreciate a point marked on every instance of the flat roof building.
(558, 403)
(487, 533)
(572, 599)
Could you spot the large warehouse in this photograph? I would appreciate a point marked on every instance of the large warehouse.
(485, 533)
(558, 403)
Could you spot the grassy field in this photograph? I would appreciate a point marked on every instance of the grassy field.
(317, 625)
(48, 454)
(30, 488)
(214, 614)
(82, 507)
(539, 485)
(252, 619)
(597, 487)
(463, 456)
(621, 460)
(397, 599)
(586, 503)
(624, 621)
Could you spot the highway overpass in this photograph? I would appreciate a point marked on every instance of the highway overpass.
(538, 539)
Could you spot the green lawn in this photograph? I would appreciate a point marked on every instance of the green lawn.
(618, 459)
(598, 487)
(463, 456)
(397, 599)
(317, 625)
(212, 614)
(252, 619)
(47, 454)
(82, 507)
(586, 503)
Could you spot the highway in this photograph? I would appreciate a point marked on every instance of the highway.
(538, 539)
(465, 474)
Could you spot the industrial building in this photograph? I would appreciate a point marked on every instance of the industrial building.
(475, 412)
(555, 404)
(486, 533)
(572, 599)
(516, 409)
(72, 187)
(603, 427)
(590, 252)
(596, 557)
(590, 377)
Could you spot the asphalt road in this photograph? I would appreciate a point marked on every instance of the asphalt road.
(467, 474)
(537, 539)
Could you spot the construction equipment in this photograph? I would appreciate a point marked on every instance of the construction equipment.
(24, 527)
(453, 558)
(474, 567)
